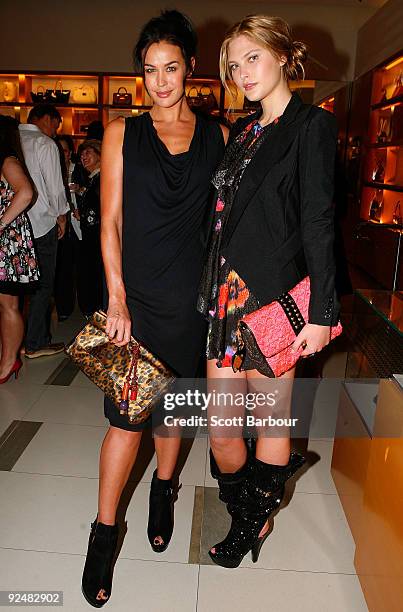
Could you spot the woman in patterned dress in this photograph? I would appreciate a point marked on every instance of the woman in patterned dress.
(273, 226)
(18, 263)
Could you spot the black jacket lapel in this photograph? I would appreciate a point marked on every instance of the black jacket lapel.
(270, 152)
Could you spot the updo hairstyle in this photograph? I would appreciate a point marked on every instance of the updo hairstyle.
(274, 34)
(172, 27)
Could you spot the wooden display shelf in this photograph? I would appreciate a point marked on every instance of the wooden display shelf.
(386, 145)
(387, 103)
(122, 107)
(57, 105)
(386, 186)
(394, 227)
(103, 83)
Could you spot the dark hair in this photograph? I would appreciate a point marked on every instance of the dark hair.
(10, 145)
(41, 110)
(68, 140)
(172, 27)
(95, 131)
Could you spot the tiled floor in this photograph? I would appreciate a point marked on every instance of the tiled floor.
(49, 498)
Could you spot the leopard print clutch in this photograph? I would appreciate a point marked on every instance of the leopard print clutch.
(130, 376)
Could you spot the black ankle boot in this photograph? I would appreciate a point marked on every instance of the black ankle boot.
(97, 575)
(261, 494)
(161, 513)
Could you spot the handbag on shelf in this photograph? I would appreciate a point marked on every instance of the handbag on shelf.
(384, 129)
(122, 97)
(10, 91)
(85, 94)
(202, 100)
(397, 214)
(38, 96)
(378, 174)
(57, 95)
(209, 102)
(375, 208)
(194, 99)
(130, 376)
(398, 90)
(266, 335)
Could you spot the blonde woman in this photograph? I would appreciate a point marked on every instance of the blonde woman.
(273, 227)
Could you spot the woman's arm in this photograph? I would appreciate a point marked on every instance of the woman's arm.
(19, 182)
(316, 164)
(118, 325)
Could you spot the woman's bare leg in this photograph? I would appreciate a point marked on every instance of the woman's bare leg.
(118, 454)
(227, 443)
(272, 449)
(167, 451)
(11, 332)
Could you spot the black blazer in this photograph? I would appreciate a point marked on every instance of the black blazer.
(281, 224)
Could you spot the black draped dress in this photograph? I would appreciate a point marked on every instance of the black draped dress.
(166, 203)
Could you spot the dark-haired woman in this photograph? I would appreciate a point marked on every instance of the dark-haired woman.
(18, 263)
(273, 227)
(155, 187)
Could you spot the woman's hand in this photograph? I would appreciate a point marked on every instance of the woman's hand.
(311, 339)
(118, 323)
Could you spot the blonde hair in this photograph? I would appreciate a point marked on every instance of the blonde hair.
(274, 34)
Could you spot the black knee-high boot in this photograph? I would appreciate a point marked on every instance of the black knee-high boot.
(259, 495)
(229, 484)
(97, 575)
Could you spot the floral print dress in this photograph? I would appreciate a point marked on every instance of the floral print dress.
(233, 298)
(18, 263)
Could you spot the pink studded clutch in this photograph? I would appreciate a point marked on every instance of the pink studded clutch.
(266, 335)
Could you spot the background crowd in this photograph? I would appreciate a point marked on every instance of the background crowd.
(49, 232)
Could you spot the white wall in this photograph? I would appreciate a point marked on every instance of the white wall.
(98, 35)
(380, 37)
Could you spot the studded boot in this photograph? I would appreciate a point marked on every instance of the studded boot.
(261, 494)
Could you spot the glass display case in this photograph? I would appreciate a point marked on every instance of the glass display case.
(377, 334)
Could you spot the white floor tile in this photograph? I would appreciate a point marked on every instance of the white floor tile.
(46, 513)
(318, 479)
(335, 366)
(81, 380)
(37, 371)
(277, 591)
(328, 391)
(5, 422)
(324, 418)
(310, 534)
(65, 450)
(138, 585)
(53, 514)
(73, 406)
(16, 401)
(193, 472)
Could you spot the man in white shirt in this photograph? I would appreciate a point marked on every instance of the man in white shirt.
(48, 220)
